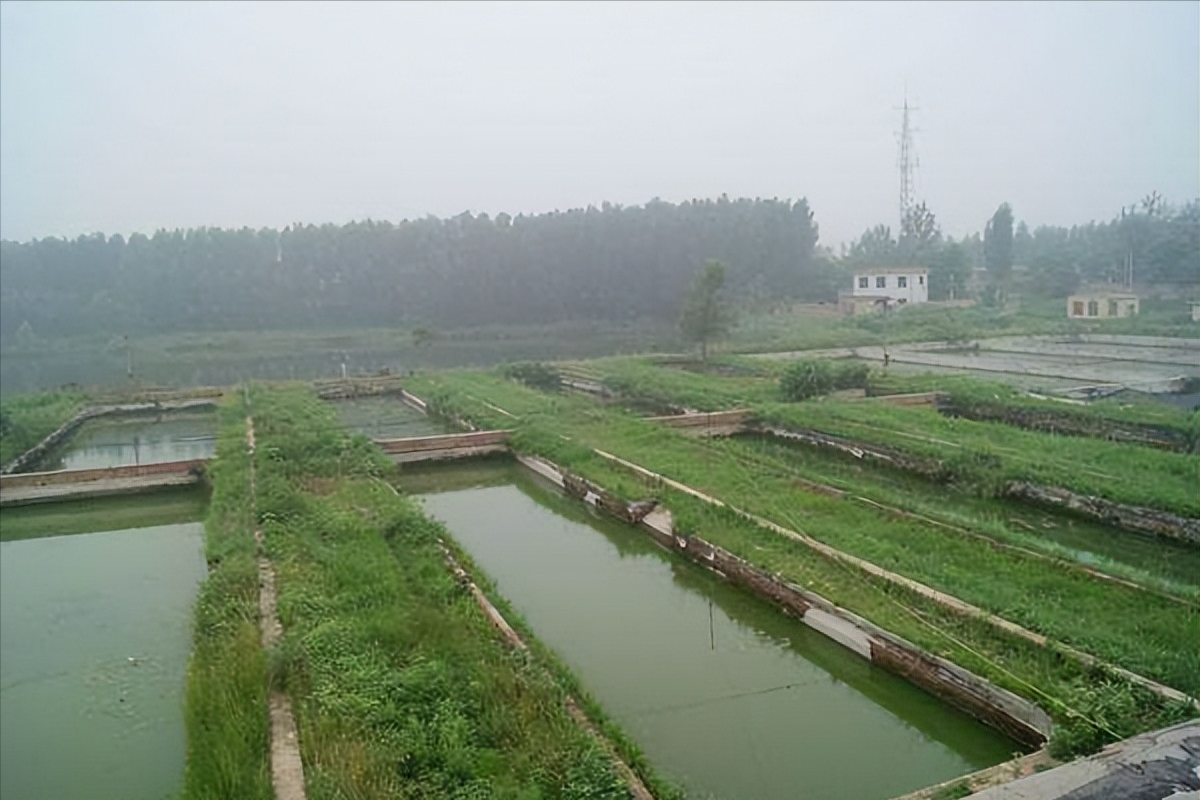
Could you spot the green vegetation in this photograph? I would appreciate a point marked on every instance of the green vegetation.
(805, 379)
(1002, 402)
(801, 330)
(987, 455)
(1167, 567)
(226, 702)
(1090, 706)
(401, 686)
(535, 375)
(27, 419)
(982, 456)
(640, 380)
(706, 315)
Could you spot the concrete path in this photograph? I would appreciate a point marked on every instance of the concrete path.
(1161, 765)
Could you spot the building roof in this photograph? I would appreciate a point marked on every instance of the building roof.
(1106, 294)
(891, 271)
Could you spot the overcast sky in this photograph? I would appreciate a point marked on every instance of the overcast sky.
(131, 117)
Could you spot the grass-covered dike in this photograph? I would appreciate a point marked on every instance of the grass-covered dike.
(400, 685)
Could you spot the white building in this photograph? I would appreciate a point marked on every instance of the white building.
(874, 287)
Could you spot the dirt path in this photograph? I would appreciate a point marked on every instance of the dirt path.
(287, 769)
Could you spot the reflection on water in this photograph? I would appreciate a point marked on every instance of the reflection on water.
(385, 418)
(95, 631)
(723, 693)
(120, 441)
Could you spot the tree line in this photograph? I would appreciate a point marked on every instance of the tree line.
(1150, 241)
(611, 263)
(608, 263)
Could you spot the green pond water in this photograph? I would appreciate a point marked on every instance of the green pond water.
(120, 441)
(724, 694)
(385, 418)
(95, 632)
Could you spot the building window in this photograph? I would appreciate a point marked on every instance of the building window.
(1077, 309)
(1093, 308)
(902, 282)
(921, 279)
(863, 282)
(1112, 308)
(1130, 309)
(881, 282)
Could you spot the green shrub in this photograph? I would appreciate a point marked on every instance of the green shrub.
(806, 379)
(534, 374)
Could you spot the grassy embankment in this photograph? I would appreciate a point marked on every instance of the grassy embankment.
(400, 685)
(1004, 403)
(975, 477)
(987, 455)
(29, 418)
(808, 328)
(980, 455)
(1090, 705)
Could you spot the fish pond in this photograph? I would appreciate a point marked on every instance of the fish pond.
(723, 693)
(95, 632)
(122, 440)
(386, 417)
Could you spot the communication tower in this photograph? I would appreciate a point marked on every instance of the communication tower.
(908, 162)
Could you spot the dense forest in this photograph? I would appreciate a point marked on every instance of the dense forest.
(610, 263)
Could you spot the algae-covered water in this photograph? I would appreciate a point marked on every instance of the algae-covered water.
(95, 631)
(723, 693)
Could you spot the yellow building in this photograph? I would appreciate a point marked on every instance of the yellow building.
(1102, 304)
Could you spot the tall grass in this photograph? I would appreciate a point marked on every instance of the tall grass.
(1019, 408)
(988, 455)
(401, 686)
(226, 697)
(26, 419)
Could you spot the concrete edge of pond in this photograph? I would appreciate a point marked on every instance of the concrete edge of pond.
(947, 601)
(1157, 764)
(27, 488)
(1020, 719)
(69, 427)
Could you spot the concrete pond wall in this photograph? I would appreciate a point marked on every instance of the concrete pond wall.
(1016, 717)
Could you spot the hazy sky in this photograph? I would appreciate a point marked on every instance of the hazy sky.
(131, 117)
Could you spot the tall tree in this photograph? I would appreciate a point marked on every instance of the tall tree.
(920, 236)
(998, 250)
(705, 315)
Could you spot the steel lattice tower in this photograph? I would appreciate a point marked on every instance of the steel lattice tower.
(908, 163)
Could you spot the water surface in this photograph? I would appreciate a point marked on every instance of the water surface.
(95, 631)
(385, 418)
(724, 694)
(118, 441)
